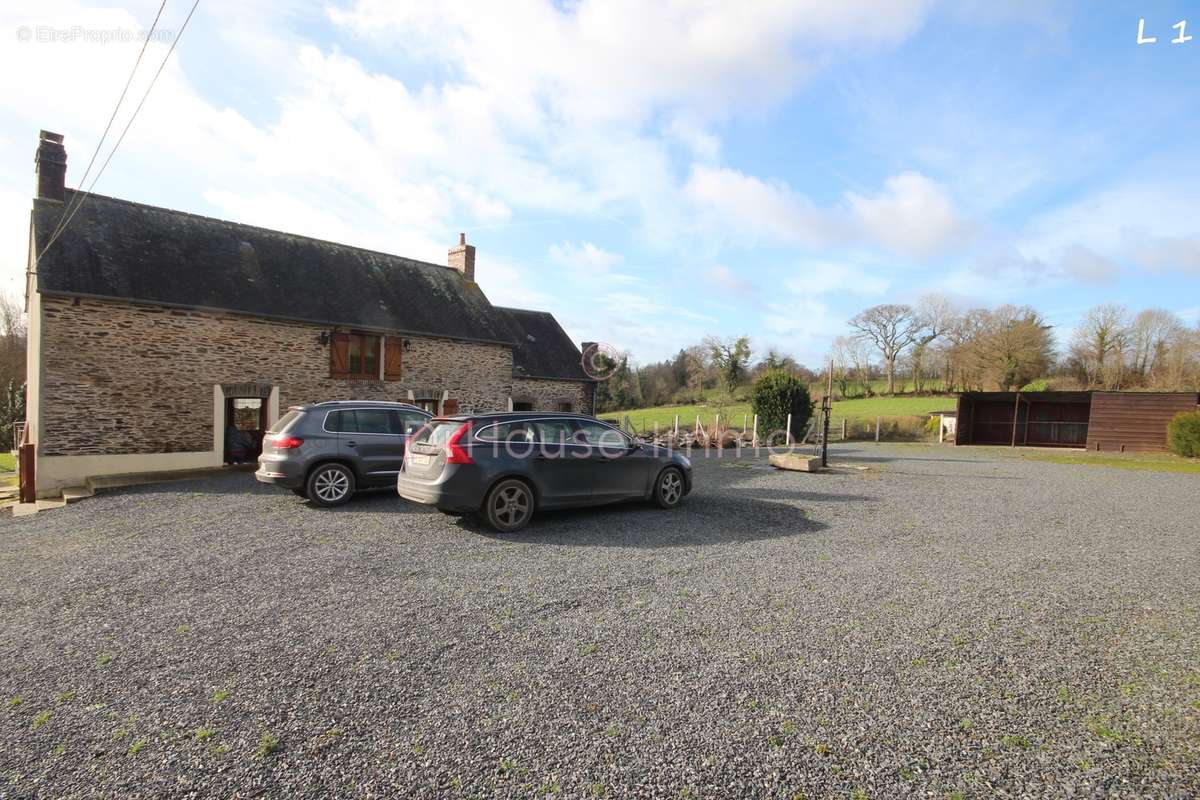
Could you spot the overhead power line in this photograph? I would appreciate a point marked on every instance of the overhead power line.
(87, 193)
(100, 144)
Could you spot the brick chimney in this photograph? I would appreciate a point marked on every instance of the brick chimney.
(462, 258)
(50, 167)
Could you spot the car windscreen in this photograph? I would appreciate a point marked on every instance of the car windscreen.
(284, 421)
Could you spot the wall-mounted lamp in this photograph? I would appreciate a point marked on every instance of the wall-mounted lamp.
(324, 337)
(407, 345)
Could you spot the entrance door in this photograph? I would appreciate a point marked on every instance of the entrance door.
(245, 424)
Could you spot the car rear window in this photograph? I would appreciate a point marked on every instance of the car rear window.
(284, 421)
(438, 432)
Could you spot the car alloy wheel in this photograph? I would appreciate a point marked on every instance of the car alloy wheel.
(330, 485)
(669, 490)
(509, 506)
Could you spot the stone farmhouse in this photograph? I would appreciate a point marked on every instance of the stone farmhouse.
(152, 330)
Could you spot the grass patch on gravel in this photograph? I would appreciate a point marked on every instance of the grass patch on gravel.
(41, 719)
(104, 660)
(1142, 462)
(220, 696)
(268, 743)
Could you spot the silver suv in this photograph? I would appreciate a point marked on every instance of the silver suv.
(328, 451)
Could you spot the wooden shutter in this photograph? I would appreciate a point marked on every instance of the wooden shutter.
(339, 355)
(449, 407)
(391, 360)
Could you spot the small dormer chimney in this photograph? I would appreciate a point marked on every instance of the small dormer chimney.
(50, 167)
(462, 258)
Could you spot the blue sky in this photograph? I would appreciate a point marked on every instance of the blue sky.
(657, 172)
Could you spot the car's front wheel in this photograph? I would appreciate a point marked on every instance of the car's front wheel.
(668, 489)
(509, 505)
(330, 485)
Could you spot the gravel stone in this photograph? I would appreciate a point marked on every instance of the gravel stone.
(942, 622)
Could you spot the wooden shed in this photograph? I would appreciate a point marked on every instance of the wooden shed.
(1135, 420)
(1097, 420)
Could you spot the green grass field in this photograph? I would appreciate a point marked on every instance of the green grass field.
(644, 419)
(8, 462)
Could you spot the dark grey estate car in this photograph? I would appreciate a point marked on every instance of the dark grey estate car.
(506, 466)
(328, 451)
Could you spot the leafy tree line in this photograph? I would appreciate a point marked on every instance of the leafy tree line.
(933, 345)
(724, 367)
(1010, 347)
(12, 367)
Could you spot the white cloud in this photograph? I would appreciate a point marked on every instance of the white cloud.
(619, 60)
(725, 278)
(1149, 222)
(749, 208)
(805, 324)
(913, 215)
(584, 257)
(825, 277)
(1087, 265)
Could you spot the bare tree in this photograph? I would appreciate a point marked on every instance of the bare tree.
(937, 315)
(1180, 364)
(730, 358)
(1150, 336)
(1100, 344)
(892, 329)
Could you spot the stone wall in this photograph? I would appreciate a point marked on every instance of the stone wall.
(125, 378)
(546, 395)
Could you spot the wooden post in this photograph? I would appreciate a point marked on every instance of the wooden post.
(843, 429)
(826, 411)
(676, 426)
(754, 438)
(788, 437)
(878, 423)
(1016, 413)
(941, 427)
(27, 480)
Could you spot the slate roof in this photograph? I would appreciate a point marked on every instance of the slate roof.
(543, 349)
(129, 251)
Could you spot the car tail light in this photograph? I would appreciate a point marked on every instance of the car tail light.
(455, 454)
(286, 442)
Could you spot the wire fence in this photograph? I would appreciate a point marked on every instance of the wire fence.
(744, 430)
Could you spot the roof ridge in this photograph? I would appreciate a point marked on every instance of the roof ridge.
(524, 310)
(273, 231)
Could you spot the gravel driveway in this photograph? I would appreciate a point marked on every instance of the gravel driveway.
(943, 623)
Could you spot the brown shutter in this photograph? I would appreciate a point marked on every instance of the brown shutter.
(391, 362)
(449, 407)
(339, 355)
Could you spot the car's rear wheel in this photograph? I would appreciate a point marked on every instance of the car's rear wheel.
(668, 489)
(509, 505)
(330, 485)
